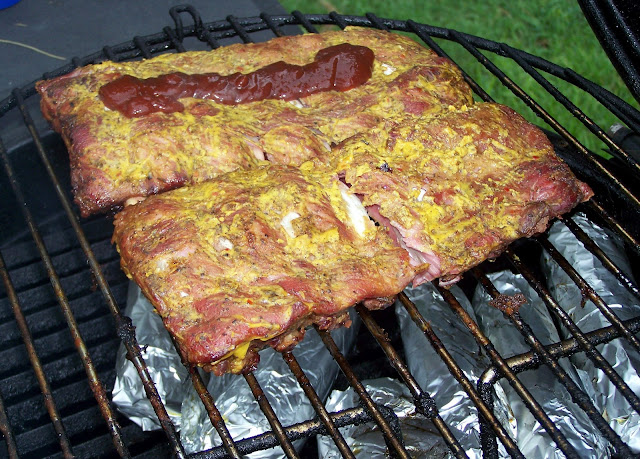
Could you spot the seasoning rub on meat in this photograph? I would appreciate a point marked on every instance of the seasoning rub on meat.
(115, 157)
(457, 189)
(250, 258)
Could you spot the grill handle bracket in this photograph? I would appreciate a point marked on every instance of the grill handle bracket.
(175, 13)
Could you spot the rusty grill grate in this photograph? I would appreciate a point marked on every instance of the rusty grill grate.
(60, 318)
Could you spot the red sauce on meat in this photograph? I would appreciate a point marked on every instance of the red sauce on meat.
(339, 67)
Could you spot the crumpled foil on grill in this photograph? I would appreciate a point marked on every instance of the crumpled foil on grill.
(421, 438)
(431, 373)
(608, 400)
(241, 411)
(546, 389)
(231, 393)
(164, 364)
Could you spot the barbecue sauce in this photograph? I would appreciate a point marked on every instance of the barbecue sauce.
(339, 67)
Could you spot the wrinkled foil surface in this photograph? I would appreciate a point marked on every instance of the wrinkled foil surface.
(453, 403)
(241, 411)
(244, 418)
(547, 390)
(421, 438)
(626, 362)
(231, 393)
(163, 362)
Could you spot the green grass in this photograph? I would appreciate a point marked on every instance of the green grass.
(555, 30)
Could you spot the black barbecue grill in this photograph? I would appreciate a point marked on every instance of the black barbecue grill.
(60, 309)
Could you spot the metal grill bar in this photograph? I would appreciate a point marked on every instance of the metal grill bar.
(141, 44)
(603, 257)
(620, 108)
(175, 40)
(214, 414)
(317, 404)
(566, 348)
(613, 224)
(147, 47)
(575, 111)
(486, 412)
(419, 31)
(616, 106)
(7, 432)
(577, 395)
(348, 417)
(590, 350)
(240, 30)
(175, 11)
(274, 422)
(272, 25)
(390, 437)
(306, 23)
(58, 426)
(123, 325)
(530, 402)
(94, 381)
(506, 81)
(588, 291)
(423, 402)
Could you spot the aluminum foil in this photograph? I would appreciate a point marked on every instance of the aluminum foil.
(231, 393)
(421, 438)
(431, 373)
(165, 367)
(241, 411)
(626, 362)
(554, 399)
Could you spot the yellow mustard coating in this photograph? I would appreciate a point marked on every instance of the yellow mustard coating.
(231, 240)
(446, 191)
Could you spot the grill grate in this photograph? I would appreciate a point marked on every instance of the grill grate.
(63, 289)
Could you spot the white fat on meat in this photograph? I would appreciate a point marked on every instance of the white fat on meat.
(286, 223)
(135, 200)
(223, 244)
(164, 262)
(297, 103)
(357, 213)
(256, 149)
(388, 69)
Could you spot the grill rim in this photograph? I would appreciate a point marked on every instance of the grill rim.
(168, 40)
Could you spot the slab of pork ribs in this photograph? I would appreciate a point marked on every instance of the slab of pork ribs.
(456, 189)
(115, 158)
(250, 258)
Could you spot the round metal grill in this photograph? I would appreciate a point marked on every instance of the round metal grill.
(55, 266)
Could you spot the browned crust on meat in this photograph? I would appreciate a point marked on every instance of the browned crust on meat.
(114, 158)
(460, 187)
(251, 258)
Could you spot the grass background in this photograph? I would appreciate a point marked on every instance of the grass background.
(555, 30)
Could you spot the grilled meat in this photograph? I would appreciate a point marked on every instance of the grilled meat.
(457, 189)
(252, 257)
(114, 157)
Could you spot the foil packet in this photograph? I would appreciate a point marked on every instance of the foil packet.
(626, 361)
(433, 376)
(421, 438)
(231, 393)
(241, 411)
(546, 389)
(164, 364)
